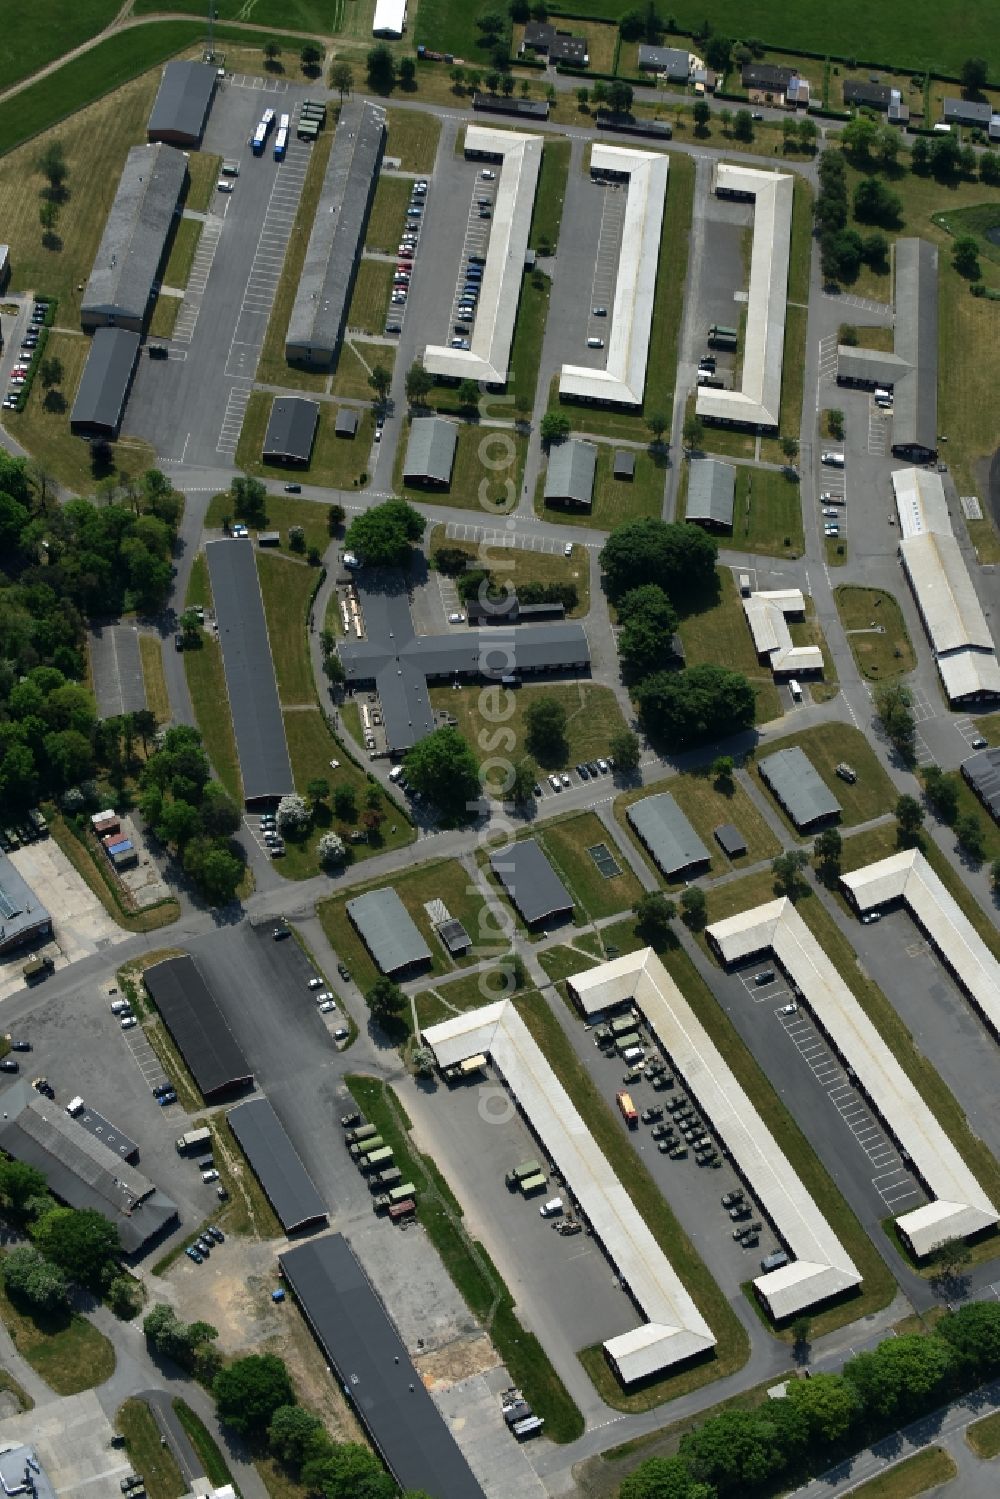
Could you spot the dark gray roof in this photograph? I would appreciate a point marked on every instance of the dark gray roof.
(860, 91)
(667, 834)
(276, 1164)
(388, 930)
(799, 788)
(399, 661)
(250, 682)
(199, 1028)
(530, 881)
(914, 417)
(109, 1134)
(672, 60)
(497, 104)
(323, 295)
(291, 428)
(711, 488)
(104, 386)
(79, 1168)
(454, 936)
(767, 75)
(624, 464)
(730, 840)
(875, 366)
(570, 474)
(968, 112)
(22, 914)
(374, 1370)
(132, 245)
(982, 771)
(347, 422)
(182, 103)
(430, 450)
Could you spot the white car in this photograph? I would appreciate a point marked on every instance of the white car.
(831, 530)
(833, 459)
(210, 1176)
(871, 916)
(128, 1021)
(323, 996)
(555, 783)
(456, 618)
(224, 185)
(327, 1006)
(566, 780)
(568, 549)
(315, 983)
(602, 766)
(487, 175)
(830, 510)
(789, 1009)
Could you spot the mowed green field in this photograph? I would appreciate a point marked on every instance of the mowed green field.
(33, 35)
(325, 17)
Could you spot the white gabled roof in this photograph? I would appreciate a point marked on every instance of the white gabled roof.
(920, 502)
(970, 674)
(675, 1330)
(962, 1206)
(907, 876)
(488, 359)
(758, 402)
(623, 378)
(822, 1267)
(765, 614)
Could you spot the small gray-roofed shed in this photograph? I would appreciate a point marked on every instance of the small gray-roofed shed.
(531, 882)
(327, 279)
(182, 103)
(624, 464)
(361, 1344)
(454, 936)
(668, 835)
(914, 417)
(276, 1164)
(291, 429)
(674, 61)
(730, 840)
(22, 915)
(120, 288)
(430, 451)
(388, 930)
(569, 478)
(711, 491)
(799, 788)
(200, 1030)
(982, 771)
(258, 726)
(347, 422)
(103, 392)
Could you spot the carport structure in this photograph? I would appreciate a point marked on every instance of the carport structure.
(822, 1267)
(675, 1330)
(961, 1207)
(907, 877)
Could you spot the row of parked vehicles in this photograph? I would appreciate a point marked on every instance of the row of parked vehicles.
(29, 830)
(375, 1160)
(29, 345)
(587, 770)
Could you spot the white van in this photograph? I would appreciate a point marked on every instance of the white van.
(632, 1056)
(795, 689)
(396, 773)
(552, 1208)
(833, 460)
(595, 343)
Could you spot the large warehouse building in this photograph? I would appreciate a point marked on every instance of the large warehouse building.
(323, 297)
(674, 1330)
(622, 381)
(199, 1029)
(250, 682)
(821, 1267)
(182, 103)
(23, 918)
(277, 1165)
(946, 596)
(102, 395)
(758, 401)
(959, 1207)
(119, 292)
(488, 358)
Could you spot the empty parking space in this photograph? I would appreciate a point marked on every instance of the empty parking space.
(609, 249)
(116, 667)
(201, 266)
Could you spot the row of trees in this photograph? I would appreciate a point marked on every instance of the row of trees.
(384, 72)
(780, 1442)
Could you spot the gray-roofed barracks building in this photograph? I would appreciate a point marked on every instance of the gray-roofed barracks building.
(711, 491)
(119, 292)
(669, 837)
(103, 392)
(799, 788)
(531, 882)
(388, 931)
(276, 1164)
(569, 478)
(182, 103)
(291, 429)
(430, 451)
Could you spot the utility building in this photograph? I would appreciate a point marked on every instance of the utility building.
(291, 429)
(670, 839)
(182, 103)
(430, 451)
(805, 796)
(119, 292)
(23, 918)
(569, 478)
(711, 492)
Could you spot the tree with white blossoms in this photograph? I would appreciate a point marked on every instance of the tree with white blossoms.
(331, 849)
(294, 815)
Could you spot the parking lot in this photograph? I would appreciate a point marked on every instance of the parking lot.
(116, 668)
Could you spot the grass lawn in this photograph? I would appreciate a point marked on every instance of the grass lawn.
(311, 747)
(355, 363)
(732, 1348)
(615, 500)
(282, 511)
(204, 1444)
(388, 215)
(441, 1000)
(984, 1436)
(706, 804)
(207, 685)
(63, 1348)
(592, 716)
(443, 26)
(154, 681)
(203, 174)
(547, 216)
(476, 477)
(286, 588)
(560, 962)
(469, 1266)
(147, 1455)
(273, 368)
(566, 844)
(335, 462)
(719, 632)
(164, 315)
(516, 566)
(725, 442)
(413, 136)
(526, 347)
(767, 513)
(48, 30)
(800, 255)
(370, 301)
(872, 793)
(187, 233)
(446, 880)
(914, 1475)
(879, 657)
(867, 338)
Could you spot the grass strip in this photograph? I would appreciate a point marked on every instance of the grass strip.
(732, 1348)
(914, 1475)
(470, 1267)
(206, 681)
(204, 1444)
(62, 1347)
(148, 1455)
(153, 678)
(984, 1436)
(546, 220)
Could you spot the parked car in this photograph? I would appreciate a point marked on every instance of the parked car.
(193, 1254)
(344, 971)
(165, 1099)
(20, 1046)
(216, 1234)
(314, 983)
(128, 1021)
